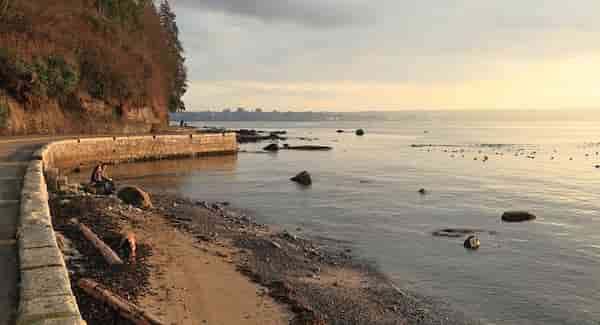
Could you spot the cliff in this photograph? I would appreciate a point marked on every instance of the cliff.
(85, 66)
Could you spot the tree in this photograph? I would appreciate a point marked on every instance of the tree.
(4, 6)
(179, 82)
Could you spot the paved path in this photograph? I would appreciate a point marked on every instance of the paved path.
(15, 154)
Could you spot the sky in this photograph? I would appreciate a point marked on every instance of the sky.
(356, 55)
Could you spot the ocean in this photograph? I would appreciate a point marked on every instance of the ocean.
(365, 192)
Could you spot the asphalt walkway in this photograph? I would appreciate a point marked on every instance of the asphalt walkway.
(15, 154)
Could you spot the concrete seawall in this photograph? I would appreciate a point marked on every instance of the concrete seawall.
(45, 290)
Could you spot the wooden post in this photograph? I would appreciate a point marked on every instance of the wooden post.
(123, 307)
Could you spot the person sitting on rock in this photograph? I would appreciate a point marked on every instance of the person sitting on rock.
(100, 181)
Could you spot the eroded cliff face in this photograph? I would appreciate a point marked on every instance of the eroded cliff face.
(84, 66)
(85, 116)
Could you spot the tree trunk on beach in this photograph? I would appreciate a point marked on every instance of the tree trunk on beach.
(123, 307)
(109, 255)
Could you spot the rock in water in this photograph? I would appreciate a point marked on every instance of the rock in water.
(135, 196)
(517, 216)
(302, 178)
(271, 147)
(309, 148)
(360, 132)
(472, 242)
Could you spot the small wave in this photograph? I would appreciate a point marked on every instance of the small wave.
(517, 240)
(558, 224)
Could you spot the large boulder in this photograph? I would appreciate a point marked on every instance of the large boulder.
(135, 196)
(271, 147)
(302, 178)
(517, 216)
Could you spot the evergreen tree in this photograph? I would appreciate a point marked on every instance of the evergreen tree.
(179, 78)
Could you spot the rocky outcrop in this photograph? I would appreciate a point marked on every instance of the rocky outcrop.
(517, 216)
(302, 178)
(135, 196)
(309, 148)
(272, 147)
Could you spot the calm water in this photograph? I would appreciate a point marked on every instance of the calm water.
(365, 191)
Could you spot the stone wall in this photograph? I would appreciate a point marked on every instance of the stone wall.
(45, 289)
(132, 148)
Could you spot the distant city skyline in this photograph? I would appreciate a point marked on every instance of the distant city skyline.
(344, 55)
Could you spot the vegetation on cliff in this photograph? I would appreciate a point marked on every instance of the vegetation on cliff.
(88, 65)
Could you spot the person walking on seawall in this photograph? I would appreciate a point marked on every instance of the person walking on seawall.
(100, 181)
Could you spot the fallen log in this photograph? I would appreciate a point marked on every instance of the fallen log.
(109, 255)
(123, 307)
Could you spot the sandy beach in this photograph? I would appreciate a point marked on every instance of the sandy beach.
(204, 263)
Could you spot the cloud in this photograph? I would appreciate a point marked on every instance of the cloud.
(310, 13)
(430, 44)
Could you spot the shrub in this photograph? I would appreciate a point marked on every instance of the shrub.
(56, 76)
(4, 111)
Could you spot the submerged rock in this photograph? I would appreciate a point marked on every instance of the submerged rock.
(472, 242)
(271, 147)
(303, 178)
(135, 196)
(517, 216)
(461, 232)
(360, 132)
(308, 148)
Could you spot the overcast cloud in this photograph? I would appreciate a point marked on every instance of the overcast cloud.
(287, 46)
(310, 13)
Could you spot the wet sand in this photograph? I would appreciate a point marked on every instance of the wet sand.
(204, 263)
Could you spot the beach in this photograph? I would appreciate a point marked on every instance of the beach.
(202, 262)
(365, 194)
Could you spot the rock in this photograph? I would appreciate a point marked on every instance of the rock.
(360, 132)
(472, 242)
(135, 196)
(303, 178)
(422, 191)
(271, 147)
(308, 148)
(461, 232)
(340, 131)
(517, 216)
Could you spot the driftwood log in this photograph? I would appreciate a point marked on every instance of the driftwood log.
(123, 307)
(109, 255)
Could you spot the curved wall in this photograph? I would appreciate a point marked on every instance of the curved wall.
(45, 290)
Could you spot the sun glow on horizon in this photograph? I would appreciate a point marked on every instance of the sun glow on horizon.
(548, 84)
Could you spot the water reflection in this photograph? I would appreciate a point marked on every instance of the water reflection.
(160, 174)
